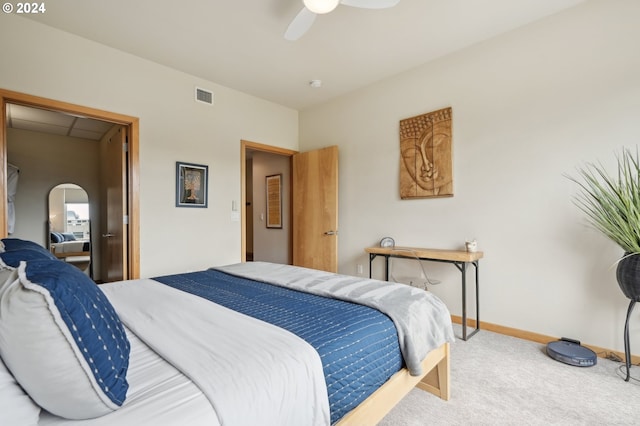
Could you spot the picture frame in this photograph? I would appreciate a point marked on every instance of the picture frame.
(273, 184)
(192, 185)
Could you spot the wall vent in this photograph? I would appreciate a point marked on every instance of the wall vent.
(204, 96)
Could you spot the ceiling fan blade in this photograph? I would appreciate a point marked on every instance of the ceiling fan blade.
(370, 4)
(300, 24)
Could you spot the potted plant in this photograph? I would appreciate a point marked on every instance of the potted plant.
(612, 205)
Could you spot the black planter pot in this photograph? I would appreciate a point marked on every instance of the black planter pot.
(628, 276)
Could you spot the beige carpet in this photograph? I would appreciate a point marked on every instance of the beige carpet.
(500, 380)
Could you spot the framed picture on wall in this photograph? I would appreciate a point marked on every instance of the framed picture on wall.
(274, 201)
(191, 185)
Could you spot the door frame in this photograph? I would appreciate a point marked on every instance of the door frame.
(254, 146)
(133, 185)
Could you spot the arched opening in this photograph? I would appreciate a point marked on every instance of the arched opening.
(70, 226)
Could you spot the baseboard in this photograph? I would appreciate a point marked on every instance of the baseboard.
(540, 338)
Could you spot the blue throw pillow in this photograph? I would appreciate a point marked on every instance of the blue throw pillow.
(56, 237)
(68, 236)
(12, 259)
(63, 341)
(10, 244)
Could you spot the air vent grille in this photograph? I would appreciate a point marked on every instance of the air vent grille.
(204, 96)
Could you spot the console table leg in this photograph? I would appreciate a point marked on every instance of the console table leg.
(463, 269)
(477, 265)
(386, 268)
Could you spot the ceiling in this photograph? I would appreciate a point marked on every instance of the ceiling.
(57, 123)
(239, 43)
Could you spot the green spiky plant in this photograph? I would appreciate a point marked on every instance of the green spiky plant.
(612, 204)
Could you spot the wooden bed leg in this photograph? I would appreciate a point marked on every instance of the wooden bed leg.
(437, 380)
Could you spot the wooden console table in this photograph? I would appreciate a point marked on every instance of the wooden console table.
(459, 258)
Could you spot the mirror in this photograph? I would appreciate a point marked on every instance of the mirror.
(70, 226)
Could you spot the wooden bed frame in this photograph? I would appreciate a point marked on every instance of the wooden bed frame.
(72, 254)
(434, 380)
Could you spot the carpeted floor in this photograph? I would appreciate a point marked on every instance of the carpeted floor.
(501, 380)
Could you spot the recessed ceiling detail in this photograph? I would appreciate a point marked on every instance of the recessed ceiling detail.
(54, 122)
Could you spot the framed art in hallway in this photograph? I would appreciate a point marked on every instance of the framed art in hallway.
(274, 201)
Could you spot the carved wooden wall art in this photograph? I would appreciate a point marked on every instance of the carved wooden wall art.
(426, 167)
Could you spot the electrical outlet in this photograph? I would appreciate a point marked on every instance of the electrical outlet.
(359, 269)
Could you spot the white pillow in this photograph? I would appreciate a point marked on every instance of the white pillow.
(5, 274)
(16, 408)
(62, 340)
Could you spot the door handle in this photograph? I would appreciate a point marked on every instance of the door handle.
(331, 233)
(109, 235)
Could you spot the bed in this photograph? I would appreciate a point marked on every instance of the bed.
(66, 242)
(71, 248)
(303, 346)
(65, 246)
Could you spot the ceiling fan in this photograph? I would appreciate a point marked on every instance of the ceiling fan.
(303, 20)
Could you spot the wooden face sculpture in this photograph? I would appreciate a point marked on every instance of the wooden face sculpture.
(425, 146)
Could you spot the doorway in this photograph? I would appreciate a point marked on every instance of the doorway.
(130, 126)
(260, 239)
(312, 206)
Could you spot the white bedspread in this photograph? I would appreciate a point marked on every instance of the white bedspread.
(422, 320)
(253, 373)
(158, 395)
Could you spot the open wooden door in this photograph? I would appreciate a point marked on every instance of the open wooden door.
(315, 209)
(114, 229)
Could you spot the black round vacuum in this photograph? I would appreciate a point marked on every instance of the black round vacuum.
(571, 352)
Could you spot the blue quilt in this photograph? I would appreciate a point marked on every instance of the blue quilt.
(358, 345)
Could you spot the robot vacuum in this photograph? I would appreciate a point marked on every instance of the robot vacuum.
(571, 352)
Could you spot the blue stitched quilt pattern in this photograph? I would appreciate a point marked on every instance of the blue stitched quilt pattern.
(358, 345)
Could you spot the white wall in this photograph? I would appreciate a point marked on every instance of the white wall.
(528, 107)
(46, 161)
(57, 65)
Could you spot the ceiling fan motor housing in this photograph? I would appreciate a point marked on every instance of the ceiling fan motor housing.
(321, 6)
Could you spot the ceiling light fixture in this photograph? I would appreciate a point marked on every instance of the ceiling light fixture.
(316, 84)
(321, 6)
